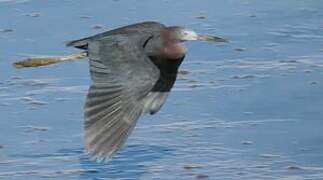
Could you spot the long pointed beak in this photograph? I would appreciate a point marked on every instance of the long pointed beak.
(211, 38)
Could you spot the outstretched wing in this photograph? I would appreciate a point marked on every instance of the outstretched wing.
(138, 27)
(122, 76)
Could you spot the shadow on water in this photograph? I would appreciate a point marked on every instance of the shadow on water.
(131, 162)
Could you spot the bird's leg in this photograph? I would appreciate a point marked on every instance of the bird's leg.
(43, 61)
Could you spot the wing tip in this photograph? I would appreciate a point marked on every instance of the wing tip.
(102, 156)
(101, 153)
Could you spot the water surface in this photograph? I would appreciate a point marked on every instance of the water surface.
(250, 109)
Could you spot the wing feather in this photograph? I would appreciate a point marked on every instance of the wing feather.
(122, 77)
(138, 27)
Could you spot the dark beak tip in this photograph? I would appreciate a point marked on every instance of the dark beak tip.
(212, 38)
(220, 39)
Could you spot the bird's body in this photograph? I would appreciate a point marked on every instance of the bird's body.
(133, 69)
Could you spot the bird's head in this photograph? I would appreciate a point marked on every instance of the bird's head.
(181, 34)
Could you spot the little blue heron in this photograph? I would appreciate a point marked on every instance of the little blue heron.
(133, 69)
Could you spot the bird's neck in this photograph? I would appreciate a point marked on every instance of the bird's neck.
(172, 47)
(174, 50)
(166, 47)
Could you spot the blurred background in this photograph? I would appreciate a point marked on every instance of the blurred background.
(249, 109)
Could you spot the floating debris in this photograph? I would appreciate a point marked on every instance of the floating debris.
(1, 147)
(239, 49)
(33, 14)
(304, 149)
(15, 77)
(85, 17)
(261, 166)
(98, 26)
(200, 17)
(314, 83)
(288, 61)
(6, 30)
(37, 103)
(308, 71)
(294, 168)
(246, 142)
(34, 129)
(195, 85)
(269, 155)
(35, 141)
(241, 173)
(193, 81)
(190, 167)
(202, 176)
(244, 77)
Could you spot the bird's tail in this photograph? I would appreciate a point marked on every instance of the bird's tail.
(43, 61)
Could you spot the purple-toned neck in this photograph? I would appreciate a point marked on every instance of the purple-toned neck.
(172, 47)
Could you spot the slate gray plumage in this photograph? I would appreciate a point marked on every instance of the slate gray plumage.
(131, 74)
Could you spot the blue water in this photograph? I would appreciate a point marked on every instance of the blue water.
(249, 109)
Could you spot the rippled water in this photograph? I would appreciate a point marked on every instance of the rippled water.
(250, 109)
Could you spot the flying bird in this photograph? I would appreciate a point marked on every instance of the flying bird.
(133, 69)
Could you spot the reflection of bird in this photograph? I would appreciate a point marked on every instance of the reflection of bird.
(133, 68)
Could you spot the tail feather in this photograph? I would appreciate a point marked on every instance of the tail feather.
(80, 43)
